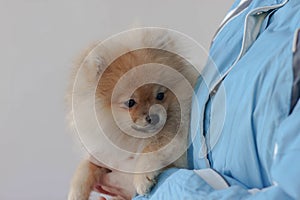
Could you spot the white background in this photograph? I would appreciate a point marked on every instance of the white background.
(39, 39)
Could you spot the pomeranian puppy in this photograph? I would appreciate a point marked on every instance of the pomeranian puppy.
(138, 91)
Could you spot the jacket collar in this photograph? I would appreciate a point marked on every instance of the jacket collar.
(265, 3)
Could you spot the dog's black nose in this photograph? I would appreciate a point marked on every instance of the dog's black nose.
(152, 119)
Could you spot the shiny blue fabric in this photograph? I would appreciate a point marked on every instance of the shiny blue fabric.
(258, 141)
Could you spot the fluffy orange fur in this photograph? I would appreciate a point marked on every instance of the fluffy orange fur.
(144, 97)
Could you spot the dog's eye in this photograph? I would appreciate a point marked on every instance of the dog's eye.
(160, 96)
(130, 103)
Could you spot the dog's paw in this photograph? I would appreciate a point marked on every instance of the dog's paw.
(144, 182)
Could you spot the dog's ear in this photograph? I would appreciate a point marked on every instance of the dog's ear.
(87, 68)
(94, 63)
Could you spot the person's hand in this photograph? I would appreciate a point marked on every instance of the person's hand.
(116, 184)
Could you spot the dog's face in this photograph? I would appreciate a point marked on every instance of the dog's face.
(148, 107)
(141, 101)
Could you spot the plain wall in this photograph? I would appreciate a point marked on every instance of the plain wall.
(39, 41)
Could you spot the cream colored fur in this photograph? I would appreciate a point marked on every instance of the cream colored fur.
(86, 92)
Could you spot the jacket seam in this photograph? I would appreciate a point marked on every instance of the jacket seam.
(230, 18)
(296, 70)
(215, 87)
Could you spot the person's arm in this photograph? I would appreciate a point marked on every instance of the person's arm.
(186, 184)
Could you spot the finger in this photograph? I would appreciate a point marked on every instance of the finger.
(119, 194)
(114, 192)
(111, 191)
(102, 191)
(118, 183)
(117, 179)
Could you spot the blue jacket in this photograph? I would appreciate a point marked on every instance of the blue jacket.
(245, 130)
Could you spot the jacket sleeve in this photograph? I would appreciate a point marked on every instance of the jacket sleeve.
(188, 184)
